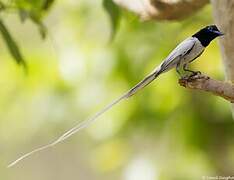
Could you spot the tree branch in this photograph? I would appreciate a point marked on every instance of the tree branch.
(205, 83)
(162, 9)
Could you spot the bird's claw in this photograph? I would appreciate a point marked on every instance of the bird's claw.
(198, 72)
(195, 73)
(186, 77)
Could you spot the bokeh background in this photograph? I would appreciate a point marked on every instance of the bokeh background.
(165, 132)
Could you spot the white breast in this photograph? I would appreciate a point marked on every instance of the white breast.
(194, 53)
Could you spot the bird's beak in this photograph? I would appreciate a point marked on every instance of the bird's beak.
(219, 33)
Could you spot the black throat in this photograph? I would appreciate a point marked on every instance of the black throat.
(204, 37)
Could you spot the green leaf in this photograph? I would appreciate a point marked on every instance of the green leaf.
(11, 44)
(36, 19)
(41, 27)
(47, 4)
(2, 6)
(23, 14)
(114, 13)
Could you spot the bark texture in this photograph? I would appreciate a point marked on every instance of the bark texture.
(162, 9)
(205, 83)
(223, 11)
(224, 18)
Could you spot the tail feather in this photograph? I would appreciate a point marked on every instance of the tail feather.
(75, 129)
(147, 80)
(90, 120)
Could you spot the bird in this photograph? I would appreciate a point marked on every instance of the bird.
(183, 54)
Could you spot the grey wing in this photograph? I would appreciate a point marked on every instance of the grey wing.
(177, 54)
(172, 60)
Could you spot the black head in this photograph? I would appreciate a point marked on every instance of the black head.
(207, 34)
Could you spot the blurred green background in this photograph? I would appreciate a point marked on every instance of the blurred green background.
(165, 132)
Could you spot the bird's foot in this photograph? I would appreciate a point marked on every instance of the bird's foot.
(192, 75)
(195, 73)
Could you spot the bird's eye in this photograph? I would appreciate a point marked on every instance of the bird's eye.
(210, 28)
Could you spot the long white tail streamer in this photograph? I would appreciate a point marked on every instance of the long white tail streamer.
(67, 134)
(90, 120)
